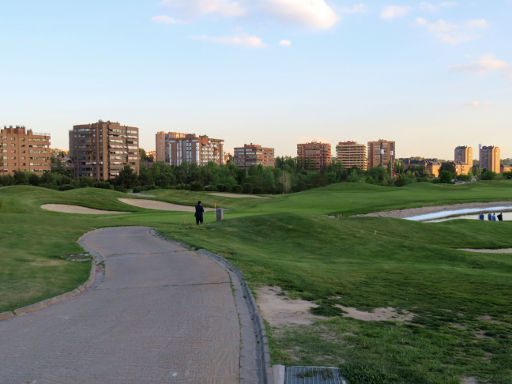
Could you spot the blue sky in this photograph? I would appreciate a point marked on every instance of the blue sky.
(430, 75)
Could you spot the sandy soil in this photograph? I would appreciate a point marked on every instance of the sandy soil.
(411, 212)
(142, 195)
(160, 205)
(237, 195)
(281, 311)
(378, 314)
(506, 250)
(77, 209)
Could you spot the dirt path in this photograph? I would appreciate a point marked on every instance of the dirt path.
(160, 205)
(78, 209)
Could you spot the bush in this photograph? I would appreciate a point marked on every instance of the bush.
(237, 189)
(487, 175)
(196, 186)
(103, 185)
(66, 187)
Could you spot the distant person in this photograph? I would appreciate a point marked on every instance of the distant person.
(493, 217)
(199, 213)
(500, 216)
(489, 216)
(481, 217)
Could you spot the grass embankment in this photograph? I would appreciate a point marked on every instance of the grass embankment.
(462, 327)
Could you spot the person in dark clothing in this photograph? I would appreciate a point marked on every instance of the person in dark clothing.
(481, 217)
(199, 213)
(500, 216)
(489, 216)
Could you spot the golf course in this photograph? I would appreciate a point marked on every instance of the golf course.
(446, 313)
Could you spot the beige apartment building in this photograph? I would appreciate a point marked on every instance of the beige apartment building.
(189, 148)
(162, 144)
(253, 154)
(23, 150)
(351, 154)
(490, 159)
(381, 152)
(464, 155)
(314, 156)
(101, 150)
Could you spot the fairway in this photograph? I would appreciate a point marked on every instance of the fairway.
(461, 328)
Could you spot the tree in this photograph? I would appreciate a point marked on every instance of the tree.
(126, 179)
(446, 177)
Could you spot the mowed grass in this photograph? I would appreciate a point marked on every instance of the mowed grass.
(461, 301)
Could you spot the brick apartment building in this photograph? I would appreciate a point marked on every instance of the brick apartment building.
(463, 155)
(314, 156)
(381, 152)
(253, 154)
(351, 154)
(490, 159)
(101, 150)
(25, 151)
(178, 148)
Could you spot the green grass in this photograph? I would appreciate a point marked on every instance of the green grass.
(288, 241)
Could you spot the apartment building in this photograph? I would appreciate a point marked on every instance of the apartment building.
(101, 150)
(490, 159)
(162, 144)
(253, 154)
(433, 167)
(23, 150)
(381, 152)
(314, 156)
(351, 154)
(462, 168)
(189, 148)
(464, 155)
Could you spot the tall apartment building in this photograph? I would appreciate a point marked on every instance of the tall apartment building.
(101, 150)
(253, 154)
(162, 144)
(314, 155)
(381, 152)
(490, 159)
(464, 155)
(351, 154)
(189, 148)
(25, 151)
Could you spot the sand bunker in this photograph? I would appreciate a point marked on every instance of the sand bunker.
(160, 205)
(237, 195)
(506, 250)
(281, 311)
(378, 314)
(77, 209)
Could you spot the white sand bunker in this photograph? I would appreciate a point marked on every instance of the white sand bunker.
(237, 195)
(160, 205)
(62, 208)
(281, 311)
(506, 250)
(378, 314)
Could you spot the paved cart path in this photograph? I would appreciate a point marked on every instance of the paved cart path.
(162, 315)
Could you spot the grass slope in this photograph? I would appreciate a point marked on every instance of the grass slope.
(462, 327)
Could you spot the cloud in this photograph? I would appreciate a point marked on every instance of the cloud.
(424, 6)
(196, 8)
(452, 33)
(285, 43)
(486, 63)
(315, 14)
(244, 41)
(394, 12)
(479, 104)
(165, 19)
(356, 8)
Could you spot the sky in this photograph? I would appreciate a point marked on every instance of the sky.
(429, 75)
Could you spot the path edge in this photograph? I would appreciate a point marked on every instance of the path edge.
(95, 261)
(265, 373)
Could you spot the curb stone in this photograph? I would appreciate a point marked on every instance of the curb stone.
(265, 372)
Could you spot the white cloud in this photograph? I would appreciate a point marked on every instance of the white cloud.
(356, 8)
(453, 33)
(165, 19)
(479, 24)
(244, 41)
(316, 14)
(285, 43)
(486, 63)
(424, 6)
(394, 12)
(195, 8)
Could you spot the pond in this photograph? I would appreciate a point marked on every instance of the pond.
(468, 214)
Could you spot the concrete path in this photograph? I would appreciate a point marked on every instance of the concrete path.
(162, 315)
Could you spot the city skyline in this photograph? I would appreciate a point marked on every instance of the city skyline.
(273, 72)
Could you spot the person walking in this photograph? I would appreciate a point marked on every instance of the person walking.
(199, 213)
(493, 216)
(481, 217)
(500, 216)
(489, 216)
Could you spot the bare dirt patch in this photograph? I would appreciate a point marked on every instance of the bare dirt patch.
(281, 311)
(378, 314)
(413, 212)
(237, 195)
(77, 209)
(160, 205)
